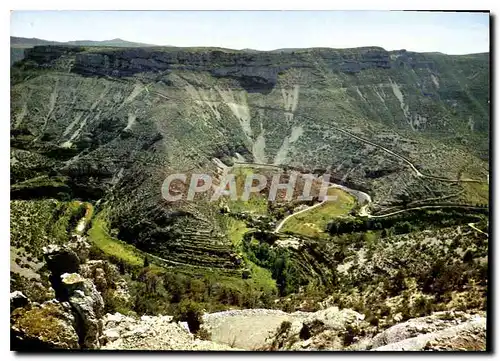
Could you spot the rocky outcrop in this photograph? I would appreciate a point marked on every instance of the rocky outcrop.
(467, 336)
(80, 323)
(277, 330)
(51, 325)
(107, 280)
(78, 302)
(84, 305)
(151, 333)
(88, 306)
(96, 271)
(335, 329)
(75, 322)
(253, 70)
(60, 260)
(330, 328)
(415, 334)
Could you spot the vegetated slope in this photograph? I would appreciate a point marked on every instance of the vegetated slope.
(108, 125)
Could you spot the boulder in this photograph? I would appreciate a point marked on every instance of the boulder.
(112, 334)
(466, 336)
(72, 282)
(329, 328)
(115, 318)
(60, 260)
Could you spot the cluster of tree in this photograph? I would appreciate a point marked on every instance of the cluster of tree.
(404, 222)
(161, 291)
(278, 261)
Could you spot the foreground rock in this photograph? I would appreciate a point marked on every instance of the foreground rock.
(75, 319)
(47, 326)
(331, 329)
(457, 331)
(274, 330)
(151, 333)
(335, 329)
(88, 306)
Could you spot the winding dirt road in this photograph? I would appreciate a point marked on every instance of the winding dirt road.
(472, 225)
(283, 221)
(407, 161)
(423, 207)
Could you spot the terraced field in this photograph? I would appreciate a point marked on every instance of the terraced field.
(312, 223)
(257, 203)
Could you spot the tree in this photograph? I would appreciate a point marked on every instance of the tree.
(192, 313)
(405, 199)
(403, 227)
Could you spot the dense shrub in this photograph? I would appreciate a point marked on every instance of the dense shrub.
(278, 261)
(192, 313)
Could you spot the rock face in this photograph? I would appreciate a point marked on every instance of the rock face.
(418, 326)
(85, 305)
(75, 322)
(80, 323)
(254, 71)
(89, 308)
(330, 328)
(47, 326)
(107, 279)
